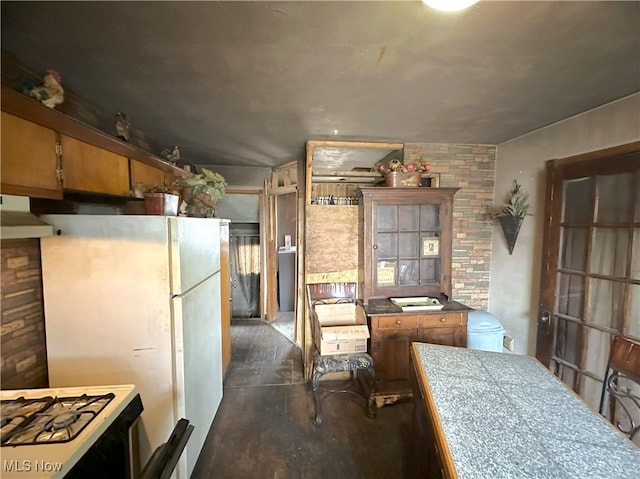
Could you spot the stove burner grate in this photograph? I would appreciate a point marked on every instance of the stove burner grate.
(16, 414)
(62, 420)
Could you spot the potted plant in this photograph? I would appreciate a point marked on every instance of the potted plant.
(201, 193)
(398, 174)
(162, 199)
(512, 213)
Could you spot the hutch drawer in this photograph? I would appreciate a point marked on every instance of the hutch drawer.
(441, 320)
(397, 322)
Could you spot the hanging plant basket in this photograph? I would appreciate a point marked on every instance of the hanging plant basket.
(511, 228)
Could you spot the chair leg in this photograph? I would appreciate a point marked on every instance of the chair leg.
(315, 387)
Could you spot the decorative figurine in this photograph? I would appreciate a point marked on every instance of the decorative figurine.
(50, 93)
(174, 156)
(122, 126)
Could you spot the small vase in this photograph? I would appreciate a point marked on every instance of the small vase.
(399, 179)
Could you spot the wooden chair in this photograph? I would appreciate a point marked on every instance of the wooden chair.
(620, 399)
(331, 293)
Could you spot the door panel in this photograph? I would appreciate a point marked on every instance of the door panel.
(590, 282)
(198, 363)
(195, 251)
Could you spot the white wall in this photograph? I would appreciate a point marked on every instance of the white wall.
(514, 285)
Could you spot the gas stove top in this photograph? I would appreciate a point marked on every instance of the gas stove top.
(44, 432)
(44, 420)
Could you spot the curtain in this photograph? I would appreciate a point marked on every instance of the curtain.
(245, 276)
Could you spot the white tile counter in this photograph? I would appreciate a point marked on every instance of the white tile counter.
(506, 416)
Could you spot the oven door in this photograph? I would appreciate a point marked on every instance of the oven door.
(110, 456)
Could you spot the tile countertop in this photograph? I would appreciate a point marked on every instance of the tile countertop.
(506, 415)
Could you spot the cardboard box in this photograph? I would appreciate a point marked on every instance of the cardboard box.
(340, 329)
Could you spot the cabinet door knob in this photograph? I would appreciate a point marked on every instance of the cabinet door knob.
(443, 319)
(398, 322)
(375, 246)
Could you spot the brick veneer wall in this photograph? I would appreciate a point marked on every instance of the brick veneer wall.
(23, 350)
(472, 169)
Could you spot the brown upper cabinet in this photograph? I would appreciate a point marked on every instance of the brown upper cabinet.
(405, 242)
(30, 165)
(145, 174)
(91, 169)
(45, 152)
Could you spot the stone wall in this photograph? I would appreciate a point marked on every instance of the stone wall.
(23, 349)
(472, 169)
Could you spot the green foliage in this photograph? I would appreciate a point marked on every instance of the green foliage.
(518, 204)
(208, 182)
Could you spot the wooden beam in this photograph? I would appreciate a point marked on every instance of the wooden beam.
(241, 191)
(283, 190)
(353, 144)
(287, 166)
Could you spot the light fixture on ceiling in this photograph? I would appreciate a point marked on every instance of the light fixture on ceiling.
(449, 5)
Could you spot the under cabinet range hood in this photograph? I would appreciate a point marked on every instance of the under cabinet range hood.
(16, 221)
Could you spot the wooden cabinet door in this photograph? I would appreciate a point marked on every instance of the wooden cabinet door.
(447, 328)
(390, 353)
(405, 247)
(29, 163)
(145, 174)
(92, 169)
(391, 337)
(447, 336)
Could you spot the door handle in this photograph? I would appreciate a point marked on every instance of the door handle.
(544, 320)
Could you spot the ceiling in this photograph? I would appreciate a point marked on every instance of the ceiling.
(247, 83)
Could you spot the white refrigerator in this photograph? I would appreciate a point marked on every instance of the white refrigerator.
(136, 299)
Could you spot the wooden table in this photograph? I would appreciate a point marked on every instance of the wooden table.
(488, 415)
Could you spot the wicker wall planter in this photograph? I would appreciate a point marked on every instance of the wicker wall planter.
(511, 228)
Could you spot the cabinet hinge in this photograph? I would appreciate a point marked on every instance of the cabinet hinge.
(59, 171)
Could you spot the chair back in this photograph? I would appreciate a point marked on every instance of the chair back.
(621, 389)
(331, 293)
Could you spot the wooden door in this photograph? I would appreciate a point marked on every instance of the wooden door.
(590, 282)
(29, 161)
(92, 169)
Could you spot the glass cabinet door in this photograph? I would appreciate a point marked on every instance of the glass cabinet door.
(407, 245)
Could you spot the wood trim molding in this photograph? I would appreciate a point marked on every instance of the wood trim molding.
(353, 144)
(240, 191)
(448, 467)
